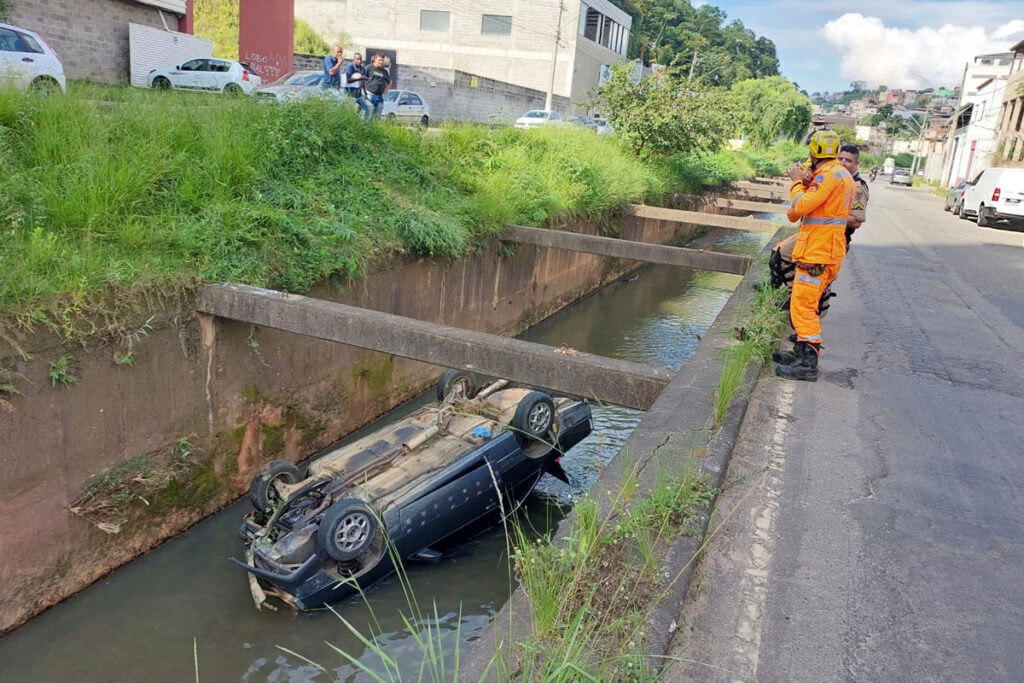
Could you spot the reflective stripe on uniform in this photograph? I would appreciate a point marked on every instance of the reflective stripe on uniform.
(796, 199)
(809, 279)
(812, 338)
(822, 220)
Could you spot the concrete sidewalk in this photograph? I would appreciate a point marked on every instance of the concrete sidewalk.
(870, 527)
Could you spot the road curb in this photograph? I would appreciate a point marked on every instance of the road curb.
(677, 424)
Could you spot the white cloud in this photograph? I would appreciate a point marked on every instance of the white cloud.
(912, 58)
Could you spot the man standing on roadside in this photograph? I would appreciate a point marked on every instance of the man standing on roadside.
(354, 79)
(781, 261)
(377, 84)
(332, 69)
(821, 201)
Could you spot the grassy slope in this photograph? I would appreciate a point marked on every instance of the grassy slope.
(107, 191)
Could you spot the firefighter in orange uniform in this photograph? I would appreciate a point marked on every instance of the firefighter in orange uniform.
(821, 201)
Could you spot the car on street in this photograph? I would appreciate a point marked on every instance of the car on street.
(28, 62)
(900, 176)
(536, 118)
(995, 194)
(298, 85)
(954, 198)
(406, 106)
(407, 492)
(206, 74)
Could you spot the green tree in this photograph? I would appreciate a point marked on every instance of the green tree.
(700, 38)
(666, 113)
(308, 41)
(5, 9)
(847, 135)
(772, 108)
(217, 20)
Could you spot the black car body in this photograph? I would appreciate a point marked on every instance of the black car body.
(407, 491)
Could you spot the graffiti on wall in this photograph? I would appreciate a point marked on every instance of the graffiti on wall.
(266, 37)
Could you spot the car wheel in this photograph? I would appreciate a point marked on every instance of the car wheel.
(347, 529)
(534, 416)
(456, 382)
(946, 207)
(45, 85)
(392, 118)
(425, 121)
(959, 211)
(161, 83)
(232, 89)
(983, 220)
(262, 491)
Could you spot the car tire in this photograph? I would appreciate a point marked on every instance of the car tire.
(961, 212)
(456, 381)
(161, 83)
(262, 494)
(983, 220)
(425, 122)
(232, 89)
(347, 529)
(392, 118)
(45, 85)
(534, 416)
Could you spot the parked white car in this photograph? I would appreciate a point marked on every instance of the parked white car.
(995, 194)
(538, 117)
(406, 106)
(604, 127)
(299, 85)
(27, 61)
(207, 74)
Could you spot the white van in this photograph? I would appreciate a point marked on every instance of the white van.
(26, 61)
(888, 166)
(995, 194)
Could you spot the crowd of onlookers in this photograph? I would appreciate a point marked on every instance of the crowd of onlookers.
(365, 83)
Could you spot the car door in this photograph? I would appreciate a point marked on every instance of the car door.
(214, 75)
(20, 58)
(403, 110)
(187, 76)
(416, 108)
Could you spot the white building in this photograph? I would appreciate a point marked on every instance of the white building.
(505, 40)
(973, 135)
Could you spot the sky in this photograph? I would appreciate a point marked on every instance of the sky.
(824, 45)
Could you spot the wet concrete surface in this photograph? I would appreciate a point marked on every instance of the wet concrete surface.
(870, 530)
(142, 621)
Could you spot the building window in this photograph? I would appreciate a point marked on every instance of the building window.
(431, 20)
(593, 24)
(496, 24)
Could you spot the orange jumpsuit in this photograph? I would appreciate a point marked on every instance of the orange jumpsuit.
(822, 208)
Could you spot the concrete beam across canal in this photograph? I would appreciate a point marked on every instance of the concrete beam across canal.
(734, 203)
(698, 218)
(637, 251)
(581, 374)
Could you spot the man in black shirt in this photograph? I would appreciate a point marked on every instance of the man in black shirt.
(377, 82)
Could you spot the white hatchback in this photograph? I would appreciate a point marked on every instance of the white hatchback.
(995, 194)
(27, 61)
(206, 74)
(538, 117)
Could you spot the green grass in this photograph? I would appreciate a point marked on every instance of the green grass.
(110, 194)
(756, 337)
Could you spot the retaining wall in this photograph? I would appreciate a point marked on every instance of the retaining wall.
(239, 395)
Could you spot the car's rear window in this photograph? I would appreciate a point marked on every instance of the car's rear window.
(15, 41)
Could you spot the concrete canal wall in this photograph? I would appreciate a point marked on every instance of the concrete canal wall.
(104, 457)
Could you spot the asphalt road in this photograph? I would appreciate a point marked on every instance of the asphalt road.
(873, 524)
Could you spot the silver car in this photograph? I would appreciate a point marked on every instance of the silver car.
(298, 85)
(900, 176)
(406, 106)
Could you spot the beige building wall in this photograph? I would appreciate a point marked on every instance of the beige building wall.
(523, 57)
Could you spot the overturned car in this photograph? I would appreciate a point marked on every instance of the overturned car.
(405, 492)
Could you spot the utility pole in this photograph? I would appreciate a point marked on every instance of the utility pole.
(693, 63)
(920, 141)
(554, 57)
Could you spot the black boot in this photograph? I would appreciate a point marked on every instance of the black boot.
(784, 357)
(804, 366)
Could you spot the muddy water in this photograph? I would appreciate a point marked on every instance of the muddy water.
(143, 621)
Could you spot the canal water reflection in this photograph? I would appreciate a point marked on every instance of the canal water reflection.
(140, 622)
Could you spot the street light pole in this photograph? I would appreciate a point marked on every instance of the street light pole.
(554, 57)
(920, 141)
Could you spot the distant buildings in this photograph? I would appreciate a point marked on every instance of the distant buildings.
(512, 42)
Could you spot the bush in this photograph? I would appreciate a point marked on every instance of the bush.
(308, 41)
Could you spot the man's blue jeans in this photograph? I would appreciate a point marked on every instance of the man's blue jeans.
(377, 103)
(364, 109)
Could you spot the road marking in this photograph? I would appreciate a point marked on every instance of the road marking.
(754, 582)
